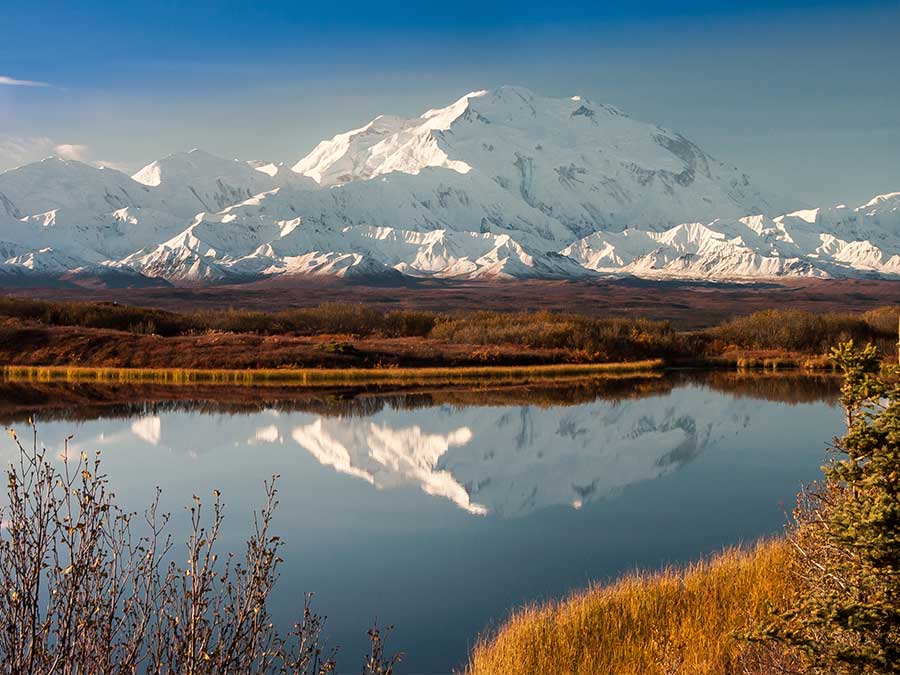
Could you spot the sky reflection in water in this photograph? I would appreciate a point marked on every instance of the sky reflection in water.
(440, 519)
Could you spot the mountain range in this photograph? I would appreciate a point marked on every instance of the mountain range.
(500, 184)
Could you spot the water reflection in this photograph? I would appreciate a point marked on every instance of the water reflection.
(83, 401)
(511, 461)
(388, 457)
(440, 509)
(504, 451)
(148, 429)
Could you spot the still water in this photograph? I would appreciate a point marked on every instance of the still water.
(438, 511)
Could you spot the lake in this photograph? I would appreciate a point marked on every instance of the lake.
(440, 510)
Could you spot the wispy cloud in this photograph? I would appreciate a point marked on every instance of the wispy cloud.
(18, 150)
(72, 151)
(7, 81)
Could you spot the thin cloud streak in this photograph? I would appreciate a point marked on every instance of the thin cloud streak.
(7, 81)
(72, 151)
(16, 151)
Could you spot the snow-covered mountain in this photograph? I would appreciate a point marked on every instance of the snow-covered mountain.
(585, 165)
(501, 183)
(833, 242)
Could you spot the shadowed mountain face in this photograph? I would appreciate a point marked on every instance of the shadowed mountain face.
(499, 184)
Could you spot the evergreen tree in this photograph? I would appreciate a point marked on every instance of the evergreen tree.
(847, 534)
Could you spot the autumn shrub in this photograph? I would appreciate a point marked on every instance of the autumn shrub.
(795, 330)
(407, 324)
(96, 315)
(883, 320)
(603, 339)
(591, 338)
(237, 321)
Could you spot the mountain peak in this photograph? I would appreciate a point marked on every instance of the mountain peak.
(511, 92)
(881, 199)
(499, 183)
(562, 156)
(181, 166)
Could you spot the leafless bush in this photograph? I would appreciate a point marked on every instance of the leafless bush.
(377, 663)
(83, 592)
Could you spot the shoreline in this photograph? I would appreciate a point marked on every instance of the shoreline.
(414, 375)
(323, 376)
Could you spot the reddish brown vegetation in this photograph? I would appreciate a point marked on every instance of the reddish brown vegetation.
(67, 345)
(332, 335)
(687, 305)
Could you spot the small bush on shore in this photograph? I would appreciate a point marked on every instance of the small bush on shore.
(799, 331)
(604, 339)
(96, 315)
(883, 320)
(326, 319)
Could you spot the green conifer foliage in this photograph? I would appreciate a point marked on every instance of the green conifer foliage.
(847, 534)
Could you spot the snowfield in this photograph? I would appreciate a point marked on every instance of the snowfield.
(500, 184)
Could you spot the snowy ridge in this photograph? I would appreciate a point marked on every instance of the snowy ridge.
(834, 242)
(499, 184)
(585, 165)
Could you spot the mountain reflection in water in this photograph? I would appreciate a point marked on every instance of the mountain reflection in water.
(503, 451)
(440, 509)
(511, 461)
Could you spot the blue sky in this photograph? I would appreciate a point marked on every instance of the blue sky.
(802, 95)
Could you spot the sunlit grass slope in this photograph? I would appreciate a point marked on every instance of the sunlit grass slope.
(674, 622)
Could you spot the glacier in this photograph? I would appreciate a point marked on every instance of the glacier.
(501, 183)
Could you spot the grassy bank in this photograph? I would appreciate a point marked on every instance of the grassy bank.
(323, 376)
(673, 622)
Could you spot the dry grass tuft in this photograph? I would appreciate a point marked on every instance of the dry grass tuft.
(674, 622)
(322, 376)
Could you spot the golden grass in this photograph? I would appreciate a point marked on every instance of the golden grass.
(322, 376)
(769, 360)
(674, 622)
